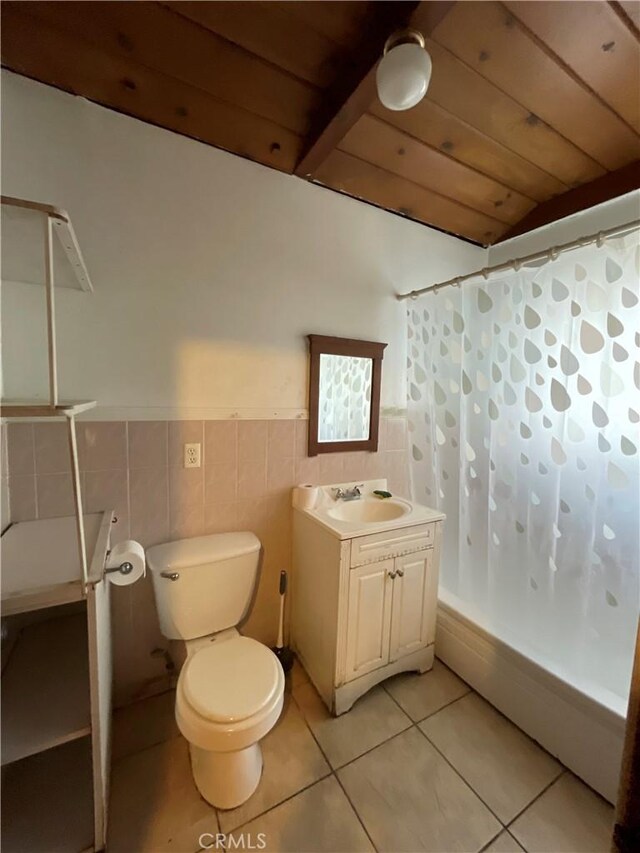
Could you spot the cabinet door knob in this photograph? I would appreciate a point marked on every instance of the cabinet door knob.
(392, 575)
(400, 573)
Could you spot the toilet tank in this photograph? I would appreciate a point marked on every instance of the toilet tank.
(205, 584)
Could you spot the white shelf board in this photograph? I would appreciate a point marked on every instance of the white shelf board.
(45, 687)
(41, 562)
(42, 409)
(23, 229)
(47, 801)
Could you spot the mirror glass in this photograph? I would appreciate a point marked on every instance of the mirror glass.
(344, 410)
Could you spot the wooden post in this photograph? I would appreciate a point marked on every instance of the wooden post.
(626, 832)
(51, 312)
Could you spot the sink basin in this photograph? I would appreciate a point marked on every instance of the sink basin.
(369, 511)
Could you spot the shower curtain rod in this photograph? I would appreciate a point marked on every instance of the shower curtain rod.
(549, 254)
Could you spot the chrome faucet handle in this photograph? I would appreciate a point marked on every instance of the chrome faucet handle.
(348, 494)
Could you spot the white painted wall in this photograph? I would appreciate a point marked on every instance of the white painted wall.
(208, 269)
(600, 218)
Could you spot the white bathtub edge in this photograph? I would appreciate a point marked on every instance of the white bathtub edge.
(583, 735)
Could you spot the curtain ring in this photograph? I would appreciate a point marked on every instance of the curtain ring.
(600, 240)
(485, 273)
(413, 296)
(517, 265)
(553, 253)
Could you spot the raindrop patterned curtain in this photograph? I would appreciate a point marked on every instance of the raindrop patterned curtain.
(524, 411)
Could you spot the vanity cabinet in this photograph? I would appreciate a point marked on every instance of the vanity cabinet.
(368, 618)
(389, 612)
(364, 608)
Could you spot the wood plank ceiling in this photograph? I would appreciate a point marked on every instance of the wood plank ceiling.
(533, 110)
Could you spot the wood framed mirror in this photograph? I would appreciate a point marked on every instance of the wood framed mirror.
(344, 394)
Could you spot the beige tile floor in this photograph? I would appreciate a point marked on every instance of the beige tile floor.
(421, 763)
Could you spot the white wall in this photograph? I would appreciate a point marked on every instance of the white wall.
(600, 218)
(208, 269)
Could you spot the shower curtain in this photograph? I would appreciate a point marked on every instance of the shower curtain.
(524, 411)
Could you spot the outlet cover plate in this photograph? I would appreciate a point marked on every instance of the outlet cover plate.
(192, 455)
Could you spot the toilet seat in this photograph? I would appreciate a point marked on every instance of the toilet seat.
(211, 698)
(231, 681)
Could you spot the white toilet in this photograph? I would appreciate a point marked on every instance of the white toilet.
(231, 688)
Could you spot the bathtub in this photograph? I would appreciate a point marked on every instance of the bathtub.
(577, 720)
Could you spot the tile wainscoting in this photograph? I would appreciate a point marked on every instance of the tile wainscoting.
(136, 468)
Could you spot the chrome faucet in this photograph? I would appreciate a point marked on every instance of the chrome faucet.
(348, 494)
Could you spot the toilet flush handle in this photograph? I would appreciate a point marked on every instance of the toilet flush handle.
(172, 576)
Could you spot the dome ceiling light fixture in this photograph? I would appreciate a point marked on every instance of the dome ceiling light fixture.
(404, 72)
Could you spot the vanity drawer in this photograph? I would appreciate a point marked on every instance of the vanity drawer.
(391, 543)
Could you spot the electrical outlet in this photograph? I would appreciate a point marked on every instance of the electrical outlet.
(192, 455)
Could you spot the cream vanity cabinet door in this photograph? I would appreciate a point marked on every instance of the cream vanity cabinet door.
(369, 617)
(413, 604)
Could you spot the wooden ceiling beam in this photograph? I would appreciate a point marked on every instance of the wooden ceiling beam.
(352, 96)
(605, 188)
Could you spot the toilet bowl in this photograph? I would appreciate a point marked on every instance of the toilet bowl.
(230, 689)
(229, 696)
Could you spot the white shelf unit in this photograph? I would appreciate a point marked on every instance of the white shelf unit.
(40, 562)
(32, 409)
(23, 224)
(26, 225)
(45, 688)
(56, 684)
(55, 600)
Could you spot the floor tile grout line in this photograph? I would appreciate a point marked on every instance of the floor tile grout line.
(276, 805)
(367, 751)
(371, 749)
(444, 707)
(417, 726)
(412, 725)
(333, 772)
(355, 811)
(300, 790)
(433, 713)
(537, 797)
(506, 826)
(563, 769)
(497, 835)
(458, 773)
(397, 734)
(512, 723)
(512, 837)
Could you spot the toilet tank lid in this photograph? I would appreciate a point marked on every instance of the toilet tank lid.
(201, 549)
